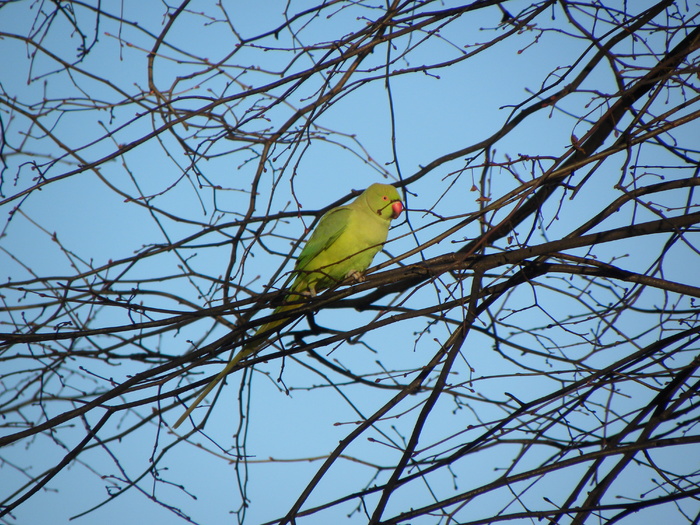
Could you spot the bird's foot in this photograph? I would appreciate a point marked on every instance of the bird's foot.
(355, 276)
(311, 292)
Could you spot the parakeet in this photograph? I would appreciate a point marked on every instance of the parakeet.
(343, 244)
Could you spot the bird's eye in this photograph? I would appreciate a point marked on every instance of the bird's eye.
(385, 198)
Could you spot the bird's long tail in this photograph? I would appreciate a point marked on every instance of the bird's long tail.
(247, 350)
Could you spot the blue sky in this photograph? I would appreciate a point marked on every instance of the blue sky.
(289, 434)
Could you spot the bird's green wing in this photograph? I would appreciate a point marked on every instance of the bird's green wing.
(330, 227)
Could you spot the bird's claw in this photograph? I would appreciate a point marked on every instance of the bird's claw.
(311, 292)
(355, 276)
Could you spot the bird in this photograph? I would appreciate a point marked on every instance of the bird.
(342, 245)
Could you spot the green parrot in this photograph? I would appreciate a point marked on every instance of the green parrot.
(343, 244)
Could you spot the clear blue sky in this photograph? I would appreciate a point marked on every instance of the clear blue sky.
(287, 434)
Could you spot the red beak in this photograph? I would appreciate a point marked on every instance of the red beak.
(396, 209)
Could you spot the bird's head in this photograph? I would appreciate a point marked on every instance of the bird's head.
(384, 200)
